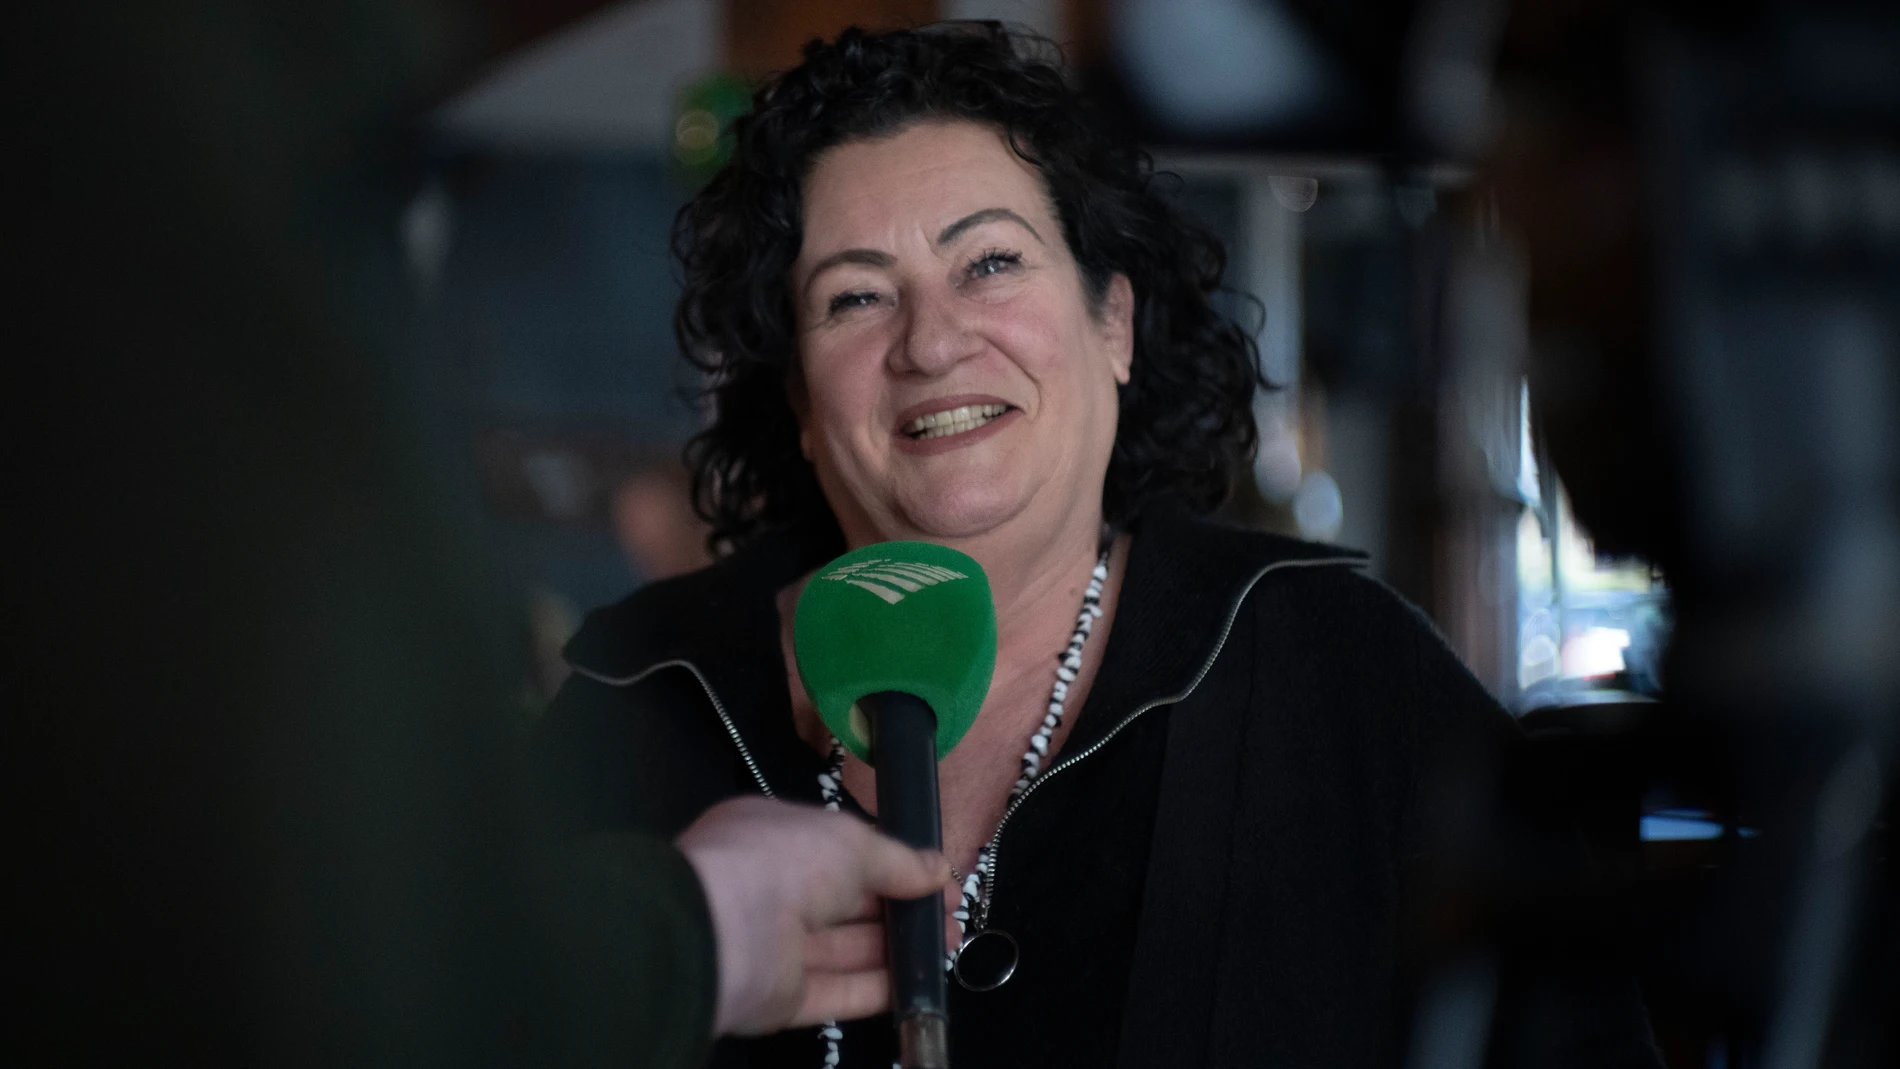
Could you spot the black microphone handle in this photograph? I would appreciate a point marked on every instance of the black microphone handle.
(904, 743)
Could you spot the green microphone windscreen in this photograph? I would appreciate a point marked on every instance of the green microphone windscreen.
(906, 616)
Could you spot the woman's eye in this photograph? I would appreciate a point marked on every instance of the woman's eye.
(846, 301)
(994, 263)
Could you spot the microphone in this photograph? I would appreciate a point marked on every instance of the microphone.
(895, 643)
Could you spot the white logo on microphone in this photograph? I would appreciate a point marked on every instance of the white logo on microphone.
(879, 576)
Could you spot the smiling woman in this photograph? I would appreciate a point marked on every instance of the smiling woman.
(937, 300)
(957, 376)
(888, 113)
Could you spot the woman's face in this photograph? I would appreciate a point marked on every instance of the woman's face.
(955, 377)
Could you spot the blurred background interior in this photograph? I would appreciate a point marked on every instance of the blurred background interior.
(1497, 247)
(1394, 296)
(1583, 318)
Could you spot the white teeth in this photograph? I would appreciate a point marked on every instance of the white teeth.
(953, 421)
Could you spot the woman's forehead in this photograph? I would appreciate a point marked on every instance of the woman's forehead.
(922, 178)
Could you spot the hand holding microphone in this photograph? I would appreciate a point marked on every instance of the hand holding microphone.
(794, 896)
(896, 643)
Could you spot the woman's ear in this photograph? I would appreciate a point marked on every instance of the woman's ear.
(1118, 326)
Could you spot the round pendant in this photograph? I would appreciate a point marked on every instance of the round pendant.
(986, 960)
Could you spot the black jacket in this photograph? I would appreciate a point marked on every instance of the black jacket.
(1228, 843)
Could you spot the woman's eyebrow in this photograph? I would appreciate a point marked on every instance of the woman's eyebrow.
(867, 257)
(987, 215)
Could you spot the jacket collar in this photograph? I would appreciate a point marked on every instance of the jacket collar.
(722, 624)
(695, 617)
(1186, 579)
(1185, 582)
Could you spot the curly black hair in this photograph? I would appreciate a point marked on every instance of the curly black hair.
(1186, 427)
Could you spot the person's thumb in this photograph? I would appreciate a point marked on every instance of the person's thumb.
(893, 870)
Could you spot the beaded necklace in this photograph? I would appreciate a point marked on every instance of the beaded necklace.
(975, 897)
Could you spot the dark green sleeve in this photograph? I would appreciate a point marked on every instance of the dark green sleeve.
(640, 963)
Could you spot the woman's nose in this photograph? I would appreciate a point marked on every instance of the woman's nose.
(936, 336)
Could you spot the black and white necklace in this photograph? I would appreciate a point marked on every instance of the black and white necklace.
(986, 960)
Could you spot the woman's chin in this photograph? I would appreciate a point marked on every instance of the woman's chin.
(961, 512)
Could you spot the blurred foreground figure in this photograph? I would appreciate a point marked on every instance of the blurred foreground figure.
(272, 814)
(1710, 198)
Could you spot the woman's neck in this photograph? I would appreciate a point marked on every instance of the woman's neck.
(1037, 582)
(1038, 565)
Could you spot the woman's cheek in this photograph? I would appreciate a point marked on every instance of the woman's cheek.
(842, 393)
(1033, 343)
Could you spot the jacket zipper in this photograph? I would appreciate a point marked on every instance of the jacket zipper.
(732, 730)
(980, 923)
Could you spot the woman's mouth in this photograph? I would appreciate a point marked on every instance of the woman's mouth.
(951, 421)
